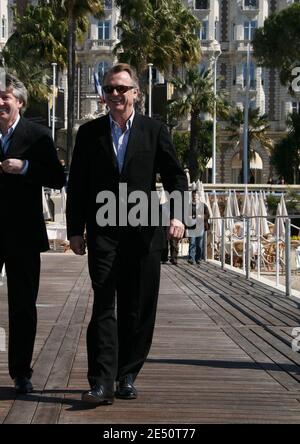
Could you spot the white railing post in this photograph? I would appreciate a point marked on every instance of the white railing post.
(288, 257)
(205, 245)
(248, 247)
(223, 244)
(258, 246)
(244, 245)
(277, 251)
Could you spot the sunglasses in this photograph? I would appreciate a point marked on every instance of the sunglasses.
(121, 89)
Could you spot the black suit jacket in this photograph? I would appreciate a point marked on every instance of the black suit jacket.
(94, 168)
(22, 226)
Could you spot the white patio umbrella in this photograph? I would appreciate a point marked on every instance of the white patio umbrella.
(235, 206)
(2, 275)
(200, 190)
(283, 206)
(246, 210)
(46, 209)
(229, 222)
(216, 223)
(207, 201)
(279, 222)
(262, 211)
(63, 204)
(253, 212)
(256, 200)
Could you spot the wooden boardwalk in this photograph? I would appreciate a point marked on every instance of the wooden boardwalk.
(221, 352)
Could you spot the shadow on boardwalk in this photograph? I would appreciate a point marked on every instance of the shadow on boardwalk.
(221, 352)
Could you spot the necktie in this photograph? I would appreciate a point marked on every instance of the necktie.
(4, 143)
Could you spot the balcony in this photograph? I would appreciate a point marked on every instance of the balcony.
(201, 9)
(239, 46)
(108, 4)
(241, 88)
(102, 44)
(201, 4)
(250, 8)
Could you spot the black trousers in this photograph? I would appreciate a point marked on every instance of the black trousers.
(118, 345)
(23, 274)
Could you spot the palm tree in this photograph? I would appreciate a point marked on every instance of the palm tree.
(47, 33)
(195, 98)
(286, 153)
(77, 12)
(162, 32)
(257, 130)
(38, 40)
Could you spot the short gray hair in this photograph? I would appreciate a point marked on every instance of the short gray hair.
(17, 88)
(120, 67)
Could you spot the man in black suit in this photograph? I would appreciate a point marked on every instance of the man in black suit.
(28, 161)
(122, 147)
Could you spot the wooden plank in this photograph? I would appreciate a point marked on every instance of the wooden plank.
(21, 412)
(261, 358)
(258, 304)
(234, 369)
(290, 304)
(229, 313)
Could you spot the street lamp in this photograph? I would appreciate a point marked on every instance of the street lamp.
(150, 65)
(54, 65)
(216, 55)
(246, 120)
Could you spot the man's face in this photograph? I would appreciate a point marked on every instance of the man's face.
(118, 103)
(9, 107)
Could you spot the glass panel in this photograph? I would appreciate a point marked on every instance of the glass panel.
(201, 4)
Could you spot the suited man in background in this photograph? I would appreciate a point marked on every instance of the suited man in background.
(28, 161)
(122, 147)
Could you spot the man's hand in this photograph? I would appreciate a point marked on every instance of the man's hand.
(12, 166)
(77, 245)
(176, 229)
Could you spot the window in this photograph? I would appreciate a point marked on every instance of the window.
(296, 107)
(234, 75)
(90, 75)
(233, 31)
(263, 74)
(252, 104)
(3, 27)
(201, 4)
(249, 28)
(103, 29)
(204, 30)
(252, 75)
(251, 3)
(102, 68)
(216, 30)
(107, 4)
(202, 68)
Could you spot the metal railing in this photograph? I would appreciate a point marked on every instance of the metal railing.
(237, 242)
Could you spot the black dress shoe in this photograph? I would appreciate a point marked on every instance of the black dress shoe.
(98, 395)
(126, 389)
(23, 385)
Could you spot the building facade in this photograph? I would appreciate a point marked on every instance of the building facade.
(227, 28)
(4, 23)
